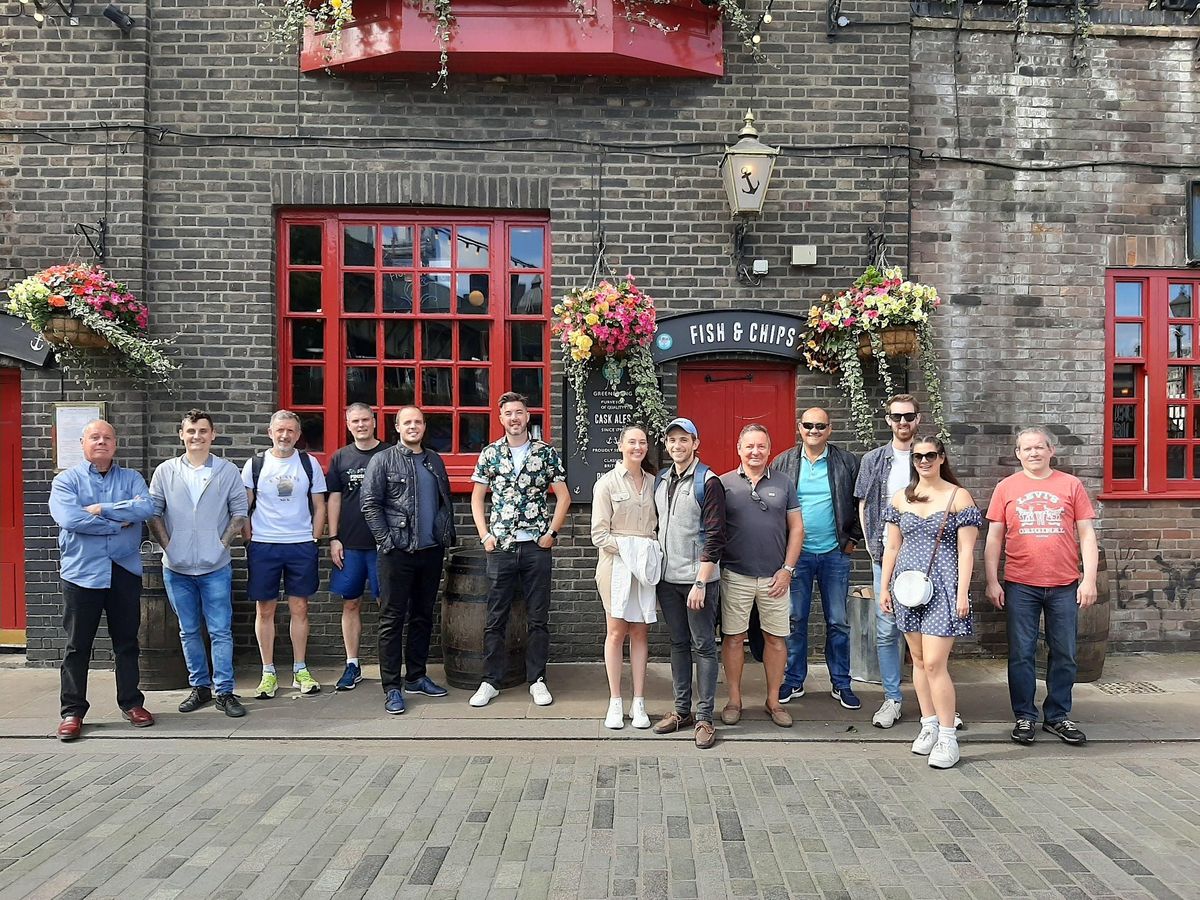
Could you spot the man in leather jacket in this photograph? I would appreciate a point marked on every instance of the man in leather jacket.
(824, 476)
(407, 505)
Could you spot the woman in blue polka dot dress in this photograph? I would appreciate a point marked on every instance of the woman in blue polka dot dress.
(933, 502)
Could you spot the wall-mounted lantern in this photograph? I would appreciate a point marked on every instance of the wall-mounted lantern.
(746, 169)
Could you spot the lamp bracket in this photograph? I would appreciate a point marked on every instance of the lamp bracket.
(96, 237)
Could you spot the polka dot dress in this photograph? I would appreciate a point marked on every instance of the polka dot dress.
(937, 617)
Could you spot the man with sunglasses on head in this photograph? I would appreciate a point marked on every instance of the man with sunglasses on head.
(824, 475)
(884, 471)
(764, 531)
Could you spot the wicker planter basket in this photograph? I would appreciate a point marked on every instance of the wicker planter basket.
(900, 340)
(67, 330)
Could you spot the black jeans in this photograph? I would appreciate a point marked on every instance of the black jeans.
(527, 565)
(121, 605)
(408, 588)
(693, 639)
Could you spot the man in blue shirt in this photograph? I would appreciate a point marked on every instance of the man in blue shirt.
(99, 507)
(824, 476)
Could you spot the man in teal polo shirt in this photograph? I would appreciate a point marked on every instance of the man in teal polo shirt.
(824, 476)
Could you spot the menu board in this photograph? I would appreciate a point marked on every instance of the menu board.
(606, 417)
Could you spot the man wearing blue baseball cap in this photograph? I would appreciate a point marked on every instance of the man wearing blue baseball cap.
(691, 532)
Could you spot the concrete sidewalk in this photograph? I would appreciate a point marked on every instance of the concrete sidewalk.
(1143, 697)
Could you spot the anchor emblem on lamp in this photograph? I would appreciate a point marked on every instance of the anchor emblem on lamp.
(746, 169)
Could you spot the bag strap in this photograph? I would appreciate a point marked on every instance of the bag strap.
(941, 531)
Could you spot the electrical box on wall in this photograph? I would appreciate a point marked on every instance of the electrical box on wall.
(804, 255)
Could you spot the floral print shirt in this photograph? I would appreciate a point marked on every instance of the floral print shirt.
(519, 497)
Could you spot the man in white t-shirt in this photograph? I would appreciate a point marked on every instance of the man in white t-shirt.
(884, 471)
(286, 491)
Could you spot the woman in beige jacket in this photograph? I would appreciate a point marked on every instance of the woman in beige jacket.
(623, 506)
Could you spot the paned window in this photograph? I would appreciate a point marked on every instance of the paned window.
(443, 311)
(1153, 383)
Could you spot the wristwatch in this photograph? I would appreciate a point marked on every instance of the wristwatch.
(484, 539)
(791, 570)
(553, 534)
(699, 584)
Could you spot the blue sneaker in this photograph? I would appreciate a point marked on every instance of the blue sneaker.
(394, 703)
(350, 678)
(425, 685)
(846, 697)
(787, 692)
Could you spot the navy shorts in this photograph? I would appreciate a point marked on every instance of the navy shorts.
(350, 581)
(295, 563)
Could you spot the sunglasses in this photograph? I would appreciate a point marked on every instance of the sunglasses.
(925, 457)
(902, 417)
(757, 499)
(814, 426)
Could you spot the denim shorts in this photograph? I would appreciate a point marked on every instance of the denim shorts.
(295, 563)
(350, 581)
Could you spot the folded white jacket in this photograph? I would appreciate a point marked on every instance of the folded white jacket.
(636, 569)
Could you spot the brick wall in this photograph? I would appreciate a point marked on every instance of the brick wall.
(192, 209)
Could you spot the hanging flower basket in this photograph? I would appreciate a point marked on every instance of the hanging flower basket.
(74, 333)
(93, 321)
(899, 340)
(609, 328)
(882, 315)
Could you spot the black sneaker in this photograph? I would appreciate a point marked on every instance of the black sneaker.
(1067, 730)
(196, 699)
(1023, 732)
(230, 705)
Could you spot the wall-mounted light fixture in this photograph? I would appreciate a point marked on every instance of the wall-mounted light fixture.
(1193, 223)
(119, 17)
(746, 170)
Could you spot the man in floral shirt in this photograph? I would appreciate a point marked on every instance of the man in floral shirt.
(518, 539)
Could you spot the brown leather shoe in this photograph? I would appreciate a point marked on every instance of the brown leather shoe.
(706, 735)
(138, 717)
(69, 728)
(780, 717)
(731, 714)
(673, 722)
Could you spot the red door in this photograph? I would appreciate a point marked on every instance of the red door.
(722, 398)
(12, 537)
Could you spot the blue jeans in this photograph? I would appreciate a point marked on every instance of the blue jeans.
(831, 571)
(889, 642)
(1025, 605)
(205, 600)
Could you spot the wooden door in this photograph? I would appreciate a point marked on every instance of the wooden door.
(12, 536)
(722, 398)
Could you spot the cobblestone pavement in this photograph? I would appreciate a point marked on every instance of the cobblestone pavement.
(478, 820)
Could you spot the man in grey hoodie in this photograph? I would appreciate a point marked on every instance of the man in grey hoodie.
(199, 506)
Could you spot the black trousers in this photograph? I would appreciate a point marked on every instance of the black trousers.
(528, 566)
(408, 588)
(121, 604)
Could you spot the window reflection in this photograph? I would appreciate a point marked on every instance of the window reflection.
(1177, 421)
(358, 245)
(1180, 296)
(473, 247)
(1129, 341)
(526, 295)
(435, 246)
(435, 293)
(308, 338)
(397, 245)
(439, 432)
(1129, 298)
(304, 245)
(1179, 341)
(527, 248)
(1124, 423)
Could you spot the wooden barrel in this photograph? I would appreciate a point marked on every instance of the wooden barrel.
(464, 614)
(1091, 631)
(162, 664)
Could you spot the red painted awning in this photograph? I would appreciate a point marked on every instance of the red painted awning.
(527, 37)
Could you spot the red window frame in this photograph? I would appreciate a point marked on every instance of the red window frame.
(1152, 387)
(322, 338)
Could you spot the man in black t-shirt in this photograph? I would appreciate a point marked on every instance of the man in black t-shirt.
(351, 545)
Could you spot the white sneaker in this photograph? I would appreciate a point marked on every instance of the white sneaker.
(925, 740)
(945, 754)
(638, 713)
(888, 715)
(540, 693)
(958, 722)
(485, 695)
(616, 714)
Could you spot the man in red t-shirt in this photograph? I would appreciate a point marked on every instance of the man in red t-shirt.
(1034, 517)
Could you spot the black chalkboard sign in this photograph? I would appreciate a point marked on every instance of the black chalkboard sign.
(606, 417)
